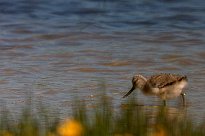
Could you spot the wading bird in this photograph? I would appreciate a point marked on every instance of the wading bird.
(165, 86)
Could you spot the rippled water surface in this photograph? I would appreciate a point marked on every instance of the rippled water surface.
(62, 48)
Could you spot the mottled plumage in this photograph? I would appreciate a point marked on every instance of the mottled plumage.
(163, 80)
(165, 86)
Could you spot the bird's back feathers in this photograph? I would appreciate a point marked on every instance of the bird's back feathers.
(162, 80)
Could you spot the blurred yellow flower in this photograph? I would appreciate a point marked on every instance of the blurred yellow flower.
(159, 131)
(6, 133)
(70, 127)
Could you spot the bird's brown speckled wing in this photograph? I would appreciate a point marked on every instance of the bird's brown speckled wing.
(162, 80)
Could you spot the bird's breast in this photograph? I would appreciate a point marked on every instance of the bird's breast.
(148, 90)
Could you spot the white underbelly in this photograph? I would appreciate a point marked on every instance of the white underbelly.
(172, 91)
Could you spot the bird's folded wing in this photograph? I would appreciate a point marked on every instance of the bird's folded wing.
(162, 80)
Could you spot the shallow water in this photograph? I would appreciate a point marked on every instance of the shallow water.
(57, 50)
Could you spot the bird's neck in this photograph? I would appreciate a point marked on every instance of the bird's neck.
(142, 83)
(141, 86)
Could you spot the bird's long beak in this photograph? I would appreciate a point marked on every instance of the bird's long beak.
(128, 93)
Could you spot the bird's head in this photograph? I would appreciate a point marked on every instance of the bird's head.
(138, 81)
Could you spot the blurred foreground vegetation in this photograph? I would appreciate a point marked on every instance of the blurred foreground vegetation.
(101, 120)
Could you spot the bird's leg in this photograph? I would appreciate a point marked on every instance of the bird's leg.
(165, 102)
(183, 98)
